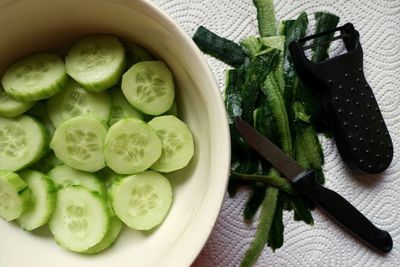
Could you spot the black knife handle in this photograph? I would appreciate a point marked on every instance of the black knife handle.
(343, 212)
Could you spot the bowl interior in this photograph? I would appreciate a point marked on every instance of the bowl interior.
(48, 25)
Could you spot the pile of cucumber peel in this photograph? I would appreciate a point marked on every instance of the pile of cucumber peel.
(85, 144)
(262, 87)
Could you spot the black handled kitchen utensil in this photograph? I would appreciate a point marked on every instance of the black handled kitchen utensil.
(349, 104)
(304, 181)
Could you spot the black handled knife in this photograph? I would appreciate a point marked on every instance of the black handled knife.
(304, 181)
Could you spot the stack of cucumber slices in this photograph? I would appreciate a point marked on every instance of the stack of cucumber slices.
(84, 144)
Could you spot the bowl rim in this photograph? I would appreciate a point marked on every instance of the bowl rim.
(212, 212)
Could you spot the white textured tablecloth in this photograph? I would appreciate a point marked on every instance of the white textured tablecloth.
(377, 196)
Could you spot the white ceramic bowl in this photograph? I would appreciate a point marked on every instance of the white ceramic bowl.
(45, 25)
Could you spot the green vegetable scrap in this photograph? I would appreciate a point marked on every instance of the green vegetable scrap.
(295, 31)
(267, 212)
(257, 74)
(271, 180)
(265, 17)
(324, 21)
(255, 199)
(264, 90)
(219, 47)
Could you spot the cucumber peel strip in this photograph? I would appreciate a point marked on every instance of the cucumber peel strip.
(265, 17)
(271, 180)
(267, 212)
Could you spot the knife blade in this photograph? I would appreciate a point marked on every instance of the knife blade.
(304, 181)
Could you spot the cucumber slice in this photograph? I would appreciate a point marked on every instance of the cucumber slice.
(136, 53)
(11, 108)
(109, 239)
(23, 140)
(107, 175)
(149, 87)
(81, 218)
(75, 101)
(141, 200)
(34, 77)
(96, 62)
(14, 196)
(64, 175)
(177, 143)
(121, 108)
(79, 143)
(39, 111)
(43, 200)
(47, 162)
(131, 146)
(173, 110)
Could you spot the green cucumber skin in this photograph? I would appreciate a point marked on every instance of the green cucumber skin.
(258, 70)
(35, 94)
(277, 105)
(267, 212)
(233, 104)
(45, 140)
(23, 97)
(100, 87)
(218, 47)
(61, 173)
(275, 238)
(233, 95)
(251, 46)
(271, 180)
(46, 163)
(136, 53)
(107, 175)
(284, 25)
(308, 148)
(265, 17)
(39, 111)
(242, 158)
(307, 140)
(265, 123)
(120, 107)
(51, 195)
(273, 88)
(324, 21)
(254, 201)
(25, 196)
(22, 190)
(9, 107)
(296, 31)
(277, 75)
(109, 239)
